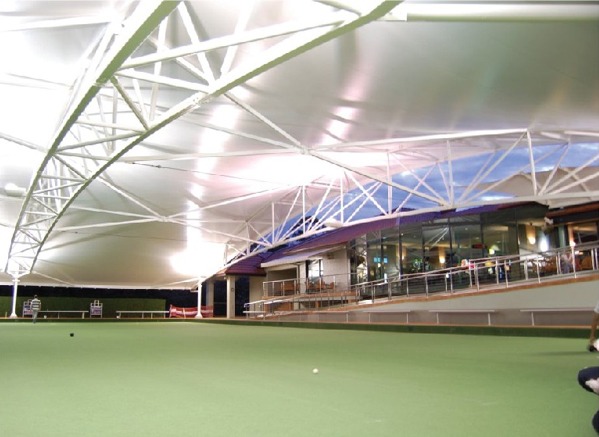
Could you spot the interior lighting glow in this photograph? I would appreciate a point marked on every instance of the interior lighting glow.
(339, 125)
(456, 11)
(214, 140)
(359, 160)
(184, 263)
(337, 129)
(281, 171)
(200, 258)
(13, 190)
(9, 6)
(543, 244)
(197, 191)
(5, 237)
(205, 260)
(530, 234)
(492, 198)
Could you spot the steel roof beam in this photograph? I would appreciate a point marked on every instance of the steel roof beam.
(495, 11)
(147, 18)
(144, 20)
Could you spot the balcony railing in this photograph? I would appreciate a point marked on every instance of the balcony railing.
(289, 287)
(477, 274)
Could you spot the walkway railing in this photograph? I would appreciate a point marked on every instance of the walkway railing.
(493, 272)
(289, 287)
(477, 274)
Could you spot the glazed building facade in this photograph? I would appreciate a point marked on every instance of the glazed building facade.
(391, 248)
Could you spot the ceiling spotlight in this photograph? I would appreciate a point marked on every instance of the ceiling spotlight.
(13, 190)
(332, 223)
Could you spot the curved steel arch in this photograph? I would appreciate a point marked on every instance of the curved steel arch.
(56, 184)
(68, 169)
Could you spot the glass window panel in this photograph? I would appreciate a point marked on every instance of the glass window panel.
(466, 242)
(314, 269)
(436, 246)
(376, 260)
(500, 239)
(583, 232)
(500, 233)
(357, 260)
(411, 249)
(390, 251)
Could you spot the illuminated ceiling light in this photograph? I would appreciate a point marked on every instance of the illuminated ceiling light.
(184, 263)
(203, 261)
(332, 223)
(531, 234)
(13, 190)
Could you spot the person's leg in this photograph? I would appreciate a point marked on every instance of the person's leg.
(588, 378)
(34, 316)
(588, 374)
(596, 422)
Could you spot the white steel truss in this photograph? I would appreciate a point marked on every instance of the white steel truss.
(93, 135)
(130, 93)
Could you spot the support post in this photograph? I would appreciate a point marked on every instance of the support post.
(210, 293)
(15, 286)
(230, 297)
(199, 314)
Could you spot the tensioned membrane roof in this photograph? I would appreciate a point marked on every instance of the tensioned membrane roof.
(147, 144)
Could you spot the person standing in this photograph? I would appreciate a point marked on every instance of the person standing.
(36, 306)
(594, 324)
(567, 262)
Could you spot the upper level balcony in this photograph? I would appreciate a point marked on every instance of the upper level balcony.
(501, 272)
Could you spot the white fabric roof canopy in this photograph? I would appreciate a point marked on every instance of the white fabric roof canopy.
(135, 133)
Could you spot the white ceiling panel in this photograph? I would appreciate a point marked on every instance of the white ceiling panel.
(147, 144)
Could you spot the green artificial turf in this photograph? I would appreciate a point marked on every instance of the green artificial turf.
(161, 379)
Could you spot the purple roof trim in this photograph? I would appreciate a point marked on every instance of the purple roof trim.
(339, 236)
(343, 235)
(475, 210)
(251, 266)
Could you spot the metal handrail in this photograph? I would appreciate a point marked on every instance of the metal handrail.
(482, 273)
